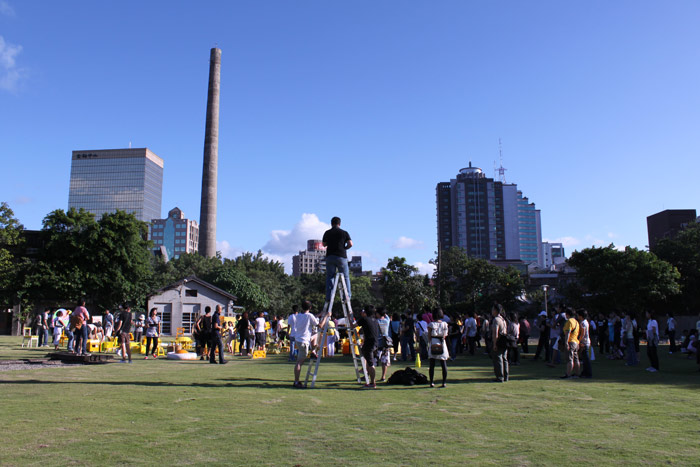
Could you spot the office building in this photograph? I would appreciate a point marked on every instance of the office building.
(668, 223)
(105, 180)
(175, 233)
(488, 219)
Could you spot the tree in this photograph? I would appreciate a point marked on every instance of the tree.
(683, 251)
(473, 284)
(403, 288)
(107, 261)
(10, 239)
(632, 279)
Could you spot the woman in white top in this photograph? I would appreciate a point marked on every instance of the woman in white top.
(438, 330)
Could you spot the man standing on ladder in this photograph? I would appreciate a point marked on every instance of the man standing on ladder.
(337, 241)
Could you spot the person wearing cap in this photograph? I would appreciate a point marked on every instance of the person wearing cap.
(543, 341)
(152, 333)
(139, 324)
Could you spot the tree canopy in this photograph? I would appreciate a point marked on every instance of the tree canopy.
(631, 279)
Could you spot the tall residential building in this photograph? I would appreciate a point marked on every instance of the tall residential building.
(311, 260)
(175, 233)
(105, 180)
(488, 219)
(667, 224)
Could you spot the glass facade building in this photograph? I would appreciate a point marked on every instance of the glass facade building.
(488, 219)
(106, 180)
(175, 233)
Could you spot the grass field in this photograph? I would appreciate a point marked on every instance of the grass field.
(246, 412)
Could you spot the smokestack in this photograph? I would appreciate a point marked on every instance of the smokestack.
(207, 213)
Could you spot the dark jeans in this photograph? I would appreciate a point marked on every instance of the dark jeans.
(603, 345)
(336, 264)
(407, 348)
(524, 343)
(244, 339)
(216, 342)
(500, 364)
(71, 338)
(653, 354)
(431, 371)
(672, 340)
(585, 361)
(514, 355)
(542, 344)
(81, 337)
(395, 343)
(471, 344)
(151, 341)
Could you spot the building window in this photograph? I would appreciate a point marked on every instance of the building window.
(190, 293)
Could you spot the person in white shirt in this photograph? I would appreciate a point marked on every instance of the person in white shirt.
(302, 332)
(652, 342)
(470, 332)
(290, 328)
(260, 333)
(671, 332)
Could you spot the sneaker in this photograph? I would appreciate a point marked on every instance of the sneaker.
(652, 370)
(298, 385)
(432, 385)
(369, 386)
(443, 385)
(496, 380)
(146, 357)
(565, 377)
(122, 361)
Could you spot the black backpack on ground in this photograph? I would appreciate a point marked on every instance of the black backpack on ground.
(407, 377)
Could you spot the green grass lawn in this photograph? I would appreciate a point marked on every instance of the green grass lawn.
(246, 412)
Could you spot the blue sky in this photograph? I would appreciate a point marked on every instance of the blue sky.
(358, 109)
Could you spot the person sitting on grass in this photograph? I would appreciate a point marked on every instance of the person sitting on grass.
(304, 324)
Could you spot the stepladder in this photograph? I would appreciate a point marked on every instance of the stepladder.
(353, 335)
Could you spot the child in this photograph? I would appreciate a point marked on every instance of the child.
(57, 329)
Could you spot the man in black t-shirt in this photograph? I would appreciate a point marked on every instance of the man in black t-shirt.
(370, 331)
(123, 328)
(337, 242)
(216, 342)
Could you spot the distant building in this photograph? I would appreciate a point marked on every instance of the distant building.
(175, 234)
(311, 260)
(553, 254)
(488, 219)
(355, 266)
(105, 180)
(668, 223)
(179, 304)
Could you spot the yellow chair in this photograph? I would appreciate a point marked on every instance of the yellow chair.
(179, 332)
(110, 345)
(93, 345)
(28, 338)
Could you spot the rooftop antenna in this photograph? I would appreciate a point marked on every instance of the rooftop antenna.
(501, 170)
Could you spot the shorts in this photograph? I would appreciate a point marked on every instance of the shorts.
(260, 338)
(303, 351)
(572, 354)
(384, 357)
(369, 354)
(124, 338)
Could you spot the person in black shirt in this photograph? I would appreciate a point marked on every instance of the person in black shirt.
(337, 242)
(123, 328)
(370, 331)
(216, 341)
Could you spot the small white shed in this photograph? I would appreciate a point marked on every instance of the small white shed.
(179, 304)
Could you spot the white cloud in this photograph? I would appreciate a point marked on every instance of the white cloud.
(612, 235)
(425, 268)
(290, 242)
(227, 250)
(23, 200)
(6, 9)
(10, 74)
(408, 243)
